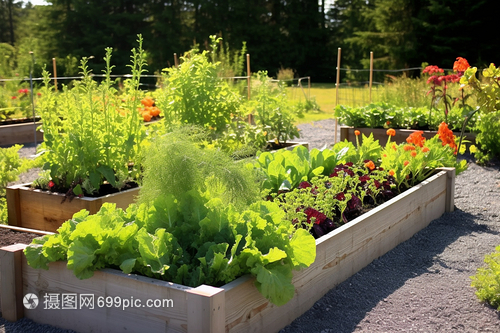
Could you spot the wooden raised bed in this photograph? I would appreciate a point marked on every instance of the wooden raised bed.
(347, 132)
(36, 209)
(20, 133)
(234, 307)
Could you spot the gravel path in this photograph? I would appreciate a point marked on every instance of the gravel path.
(423, 285)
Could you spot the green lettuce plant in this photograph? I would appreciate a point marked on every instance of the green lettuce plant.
(486, 280)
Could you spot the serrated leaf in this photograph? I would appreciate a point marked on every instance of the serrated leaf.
(275, 283)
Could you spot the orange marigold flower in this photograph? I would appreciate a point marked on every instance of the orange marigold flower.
(391, 132)
(406, 163)
(147, 101)
(413, 153)
(461, 65)
(416, 138)
(394, 146)
(370, 165)
(447, 137)
(391, 173)
(384, 155)
(356, 132)
(408, 147)
(425, 149)
(146, 116)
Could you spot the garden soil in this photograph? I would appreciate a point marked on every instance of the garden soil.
(422, 285)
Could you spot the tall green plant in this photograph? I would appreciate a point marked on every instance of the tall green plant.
(87, 139)
(196, 95)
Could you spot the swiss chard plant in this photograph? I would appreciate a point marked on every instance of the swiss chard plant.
(91, 136)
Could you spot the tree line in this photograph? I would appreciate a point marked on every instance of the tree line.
(303, 35)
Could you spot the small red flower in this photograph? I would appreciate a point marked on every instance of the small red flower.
(51, 184)
(413, 153)
(406, 163)
(356, 132)
(13, 97)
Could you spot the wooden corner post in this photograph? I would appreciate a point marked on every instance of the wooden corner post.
(11, 292)
(206, 310)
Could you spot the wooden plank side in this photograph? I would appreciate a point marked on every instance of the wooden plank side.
(169, 315)
(11, 290)
(340, 254)
(19, 133)
(13, 205)
(122, 199)
(40, 210)
(206, 310)
(46, 211)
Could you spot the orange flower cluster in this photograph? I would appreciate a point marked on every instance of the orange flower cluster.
(149, 110)
(414, 154)
(446, 135)
(425, 149)
(460, 65)
(416, 138)
(408, 147)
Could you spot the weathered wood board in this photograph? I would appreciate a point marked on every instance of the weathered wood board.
(36, 209)
(20, 133)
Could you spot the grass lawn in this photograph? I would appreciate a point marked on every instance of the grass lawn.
(325, 96)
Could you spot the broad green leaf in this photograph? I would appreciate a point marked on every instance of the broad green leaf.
(108, 174)
(274, 254)
(275, 283)
(81, 257)
(303, 246)
(34, 256)
(128, 265)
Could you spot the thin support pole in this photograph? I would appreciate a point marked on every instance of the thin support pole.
(250, 116)
(371, 74)
(176, 61)
(32, 100)
(55, 72)
(337, 84)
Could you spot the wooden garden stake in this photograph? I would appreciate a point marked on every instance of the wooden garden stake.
(55, 72)
(371, 74)
(337, 91)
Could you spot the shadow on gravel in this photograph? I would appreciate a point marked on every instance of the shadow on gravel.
(343, 307)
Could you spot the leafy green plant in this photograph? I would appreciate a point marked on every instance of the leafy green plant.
(88, 140)
(11, 166)
(487, 92)
(414, 161)
(273, 113)
(286, 75)
(195, 94)
(194, 224)
(486, 280)
(383, 115)
(285, 170)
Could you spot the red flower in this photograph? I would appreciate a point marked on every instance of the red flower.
(447, 137)
(460, 65)
(13, 97)
(356, 132)
(340, 196)
(51, 184)
(23, 91)
(413, 153)
(406, 163)
(416, 138)
(432, 69)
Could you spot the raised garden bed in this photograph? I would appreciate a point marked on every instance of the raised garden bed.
(347, 133)
(41, 210)
(234, 307)
(20, 133)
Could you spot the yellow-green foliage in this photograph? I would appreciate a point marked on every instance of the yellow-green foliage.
(11, 166)
(487, 280)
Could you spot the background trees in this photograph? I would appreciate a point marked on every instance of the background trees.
(300, 34)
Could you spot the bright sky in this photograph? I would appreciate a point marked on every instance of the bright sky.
(36, 2)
